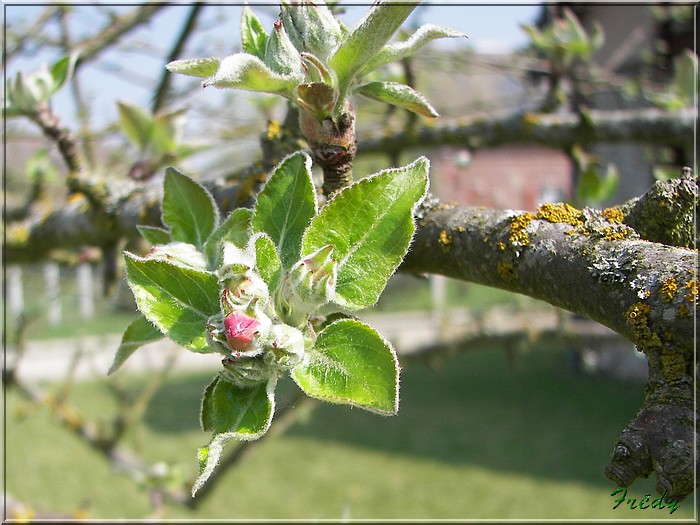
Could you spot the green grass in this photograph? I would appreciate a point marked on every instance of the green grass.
(475, 438)
(410, 293)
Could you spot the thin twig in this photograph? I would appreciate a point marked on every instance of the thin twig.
(91, 47)
(30, 34)
(80, 101)
(161, 94)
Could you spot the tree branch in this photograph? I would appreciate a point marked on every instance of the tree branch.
(591, 263)
(560, 131)
(555, 254)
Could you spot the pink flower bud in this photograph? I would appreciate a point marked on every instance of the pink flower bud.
(240, 330)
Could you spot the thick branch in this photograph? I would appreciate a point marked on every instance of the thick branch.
(121, 208)
(561, 256)
(649, 126)
(590, 263)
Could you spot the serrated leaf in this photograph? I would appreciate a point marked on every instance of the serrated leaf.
(136, 124)
(235, 413)
(286, 205)
(267, 261)
(206, 412)
(235, 229)
(370, 225)
(253, 35)
(196, 67)
(140, 332)
(351, 364)
(367, 39)
(188, 209)
(399, 95)
(248, 72)
(176, 299)
(399, 50)
(153, 234)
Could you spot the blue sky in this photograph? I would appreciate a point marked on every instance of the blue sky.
(492, 27)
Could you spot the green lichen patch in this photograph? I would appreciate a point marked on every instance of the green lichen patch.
(665, 214)
(673, 364)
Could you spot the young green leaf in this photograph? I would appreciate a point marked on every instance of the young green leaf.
(176, 299)
(196, 67)
(399, 95)
(180, 253)
(312, 27)
(62, 70)
(233, 412)
(188, 209)
(244, 71)
(253, 36)
(286, 205)
(153, 234)
(280, 54)
(136, 124)
(367, 39)
(351, 364)
(140, 332)
(370, 225)
(235, 229)
(267, 261)
(399, 50)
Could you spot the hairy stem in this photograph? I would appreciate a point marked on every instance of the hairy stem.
(333, 145)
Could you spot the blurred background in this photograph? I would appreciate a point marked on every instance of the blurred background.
(509, 406)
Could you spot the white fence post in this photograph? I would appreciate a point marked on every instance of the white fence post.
(438, 296)
(85, 290)
(15, 291)
(53, 292)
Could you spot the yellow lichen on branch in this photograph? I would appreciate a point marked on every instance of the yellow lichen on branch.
(668, 290)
